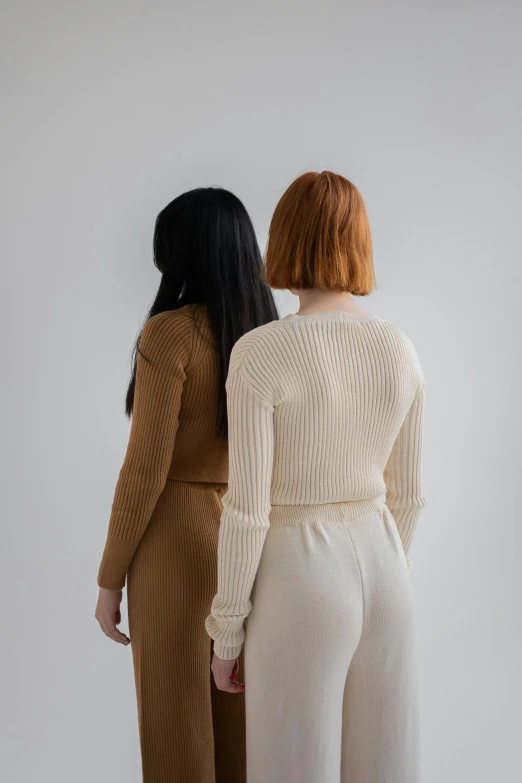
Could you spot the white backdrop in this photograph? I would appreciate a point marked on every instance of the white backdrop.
(113, 107)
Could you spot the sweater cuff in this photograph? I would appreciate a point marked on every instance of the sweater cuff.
(115, 563)
(227, 653)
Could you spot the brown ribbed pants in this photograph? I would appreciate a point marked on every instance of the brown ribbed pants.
(189, 731)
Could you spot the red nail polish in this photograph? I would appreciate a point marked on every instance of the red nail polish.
(233, 676)
(242, 689)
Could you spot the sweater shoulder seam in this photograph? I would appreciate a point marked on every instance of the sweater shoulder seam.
(240, 373)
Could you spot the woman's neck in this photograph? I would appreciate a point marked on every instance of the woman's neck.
(314, 300)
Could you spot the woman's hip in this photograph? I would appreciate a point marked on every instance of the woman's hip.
(178, 552)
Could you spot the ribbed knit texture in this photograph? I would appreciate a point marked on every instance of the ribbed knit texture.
(189, 730)
(323, 409)
(163, 533)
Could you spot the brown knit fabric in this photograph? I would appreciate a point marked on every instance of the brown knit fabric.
(163, 533)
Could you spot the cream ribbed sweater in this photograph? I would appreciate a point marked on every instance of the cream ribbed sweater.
(323, 409)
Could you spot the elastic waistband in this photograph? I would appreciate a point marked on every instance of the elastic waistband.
(344, 511)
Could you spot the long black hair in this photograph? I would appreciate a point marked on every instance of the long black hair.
(206, 250)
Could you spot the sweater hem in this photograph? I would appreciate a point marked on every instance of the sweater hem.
(332, 513)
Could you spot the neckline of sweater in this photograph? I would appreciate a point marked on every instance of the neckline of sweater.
(330, 315)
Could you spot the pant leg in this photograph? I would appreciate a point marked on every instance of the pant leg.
(300, 637)
(174, 706)
(171, 583)
(380, 698)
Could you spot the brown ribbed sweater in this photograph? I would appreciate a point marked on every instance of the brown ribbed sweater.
(173, 430)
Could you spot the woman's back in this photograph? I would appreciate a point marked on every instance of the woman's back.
(340, 385)
(199, 454)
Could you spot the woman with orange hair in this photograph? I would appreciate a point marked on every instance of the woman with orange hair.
(325, 417)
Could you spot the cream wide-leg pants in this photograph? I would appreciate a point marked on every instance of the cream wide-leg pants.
(329, 663)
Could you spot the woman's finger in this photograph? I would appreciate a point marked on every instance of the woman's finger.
(224, 684)
(110, 630)
(119, 638)
(117, 635)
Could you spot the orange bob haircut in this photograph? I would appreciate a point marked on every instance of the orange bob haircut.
(320, 237)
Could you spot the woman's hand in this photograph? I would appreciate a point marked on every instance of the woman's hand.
(225, 673)
(109, 616)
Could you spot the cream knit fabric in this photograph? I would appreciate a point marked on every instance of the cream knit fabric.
(323, 409)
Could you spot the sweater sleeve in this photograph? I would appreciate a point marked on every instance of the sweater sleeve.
(245, 518)
(164, 353)
(402, 475)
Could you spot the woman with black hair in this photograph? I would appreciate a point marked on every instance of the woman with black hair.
(164, 525)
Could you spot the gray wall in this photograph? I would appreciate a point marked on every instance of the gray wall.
(113, 108)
